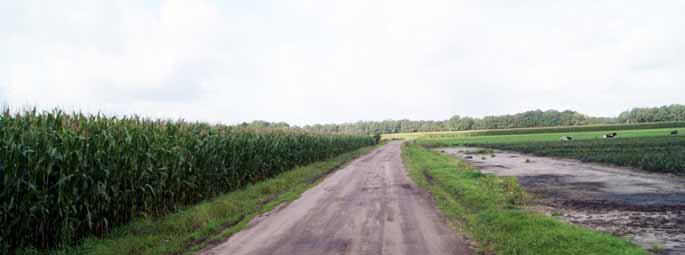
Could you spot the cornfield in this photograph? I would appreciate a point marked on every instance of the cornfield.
(66, 176)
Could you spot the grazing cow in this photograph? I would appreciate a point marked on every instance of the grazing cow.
(610, 135)
(566, 138)
(674, 132)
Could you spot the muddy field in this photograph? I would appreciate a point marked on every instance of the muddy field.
(644, 207)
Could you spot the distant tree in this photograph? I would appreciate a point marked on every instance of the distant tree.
(675, 112)
(536, 118)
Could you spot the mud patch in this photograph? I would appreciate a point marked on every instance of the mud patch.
(494, 166)
(647, 208)
(406, 186)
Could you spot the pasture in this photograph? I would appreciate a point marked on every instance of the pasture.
(539, 130)
(656, 150)
(656, 154)
(545, 137)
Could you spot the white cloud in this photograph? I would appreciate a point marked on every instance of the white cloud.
(307, 61)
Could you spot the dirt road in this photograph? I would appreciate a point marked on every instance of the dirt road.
(368, 207)
(645, 207)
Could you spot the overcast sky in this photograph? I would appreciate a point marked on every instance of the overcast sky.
(314, 61)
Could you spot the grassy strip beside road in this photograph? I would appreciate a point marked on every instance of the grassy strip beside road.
(460, 141)
(213, 221)
(491, 210)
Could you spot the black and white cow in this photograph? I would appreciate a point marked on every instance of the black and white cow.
(566, 138)
(610, 135)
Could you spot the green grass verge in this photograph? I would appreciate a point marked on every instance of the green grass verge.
(454, 141)
(491, 210)
(210, 222)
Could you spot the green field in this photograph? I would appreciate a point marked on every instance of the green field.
(490, 209)
(657, 154)
(544, 130)
(67, 176)
(454, 141)
(649, 149)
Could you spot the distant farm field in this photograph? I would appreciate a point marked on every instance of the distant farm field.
(547, 137)
(543, 130)
(656, 154)
(655, 150)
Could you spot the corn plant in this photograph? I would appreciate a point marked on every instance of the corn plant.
(66, 176)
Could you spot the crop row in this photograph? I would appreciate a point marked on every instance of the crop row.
(658, 154)
(65, 176)
(541, 130)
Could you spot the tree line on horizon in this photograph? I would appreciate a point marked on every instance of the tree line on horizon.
(528, 119)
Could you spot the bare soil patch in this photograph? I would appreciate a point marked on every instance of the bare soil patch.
(645, 207)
